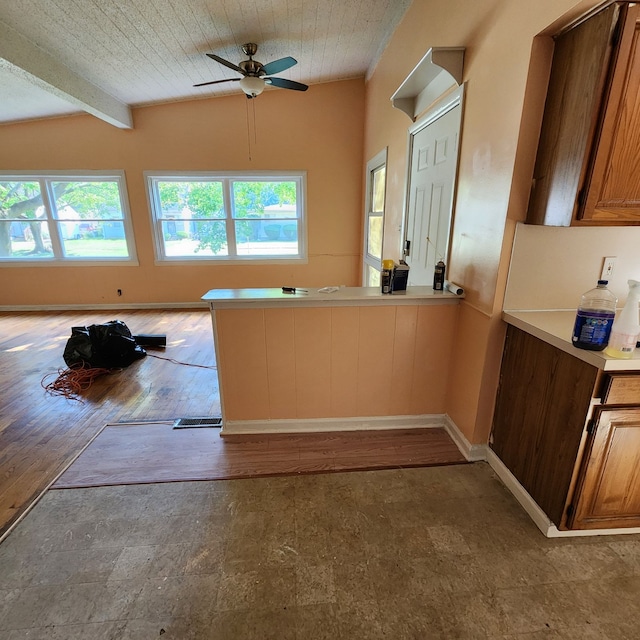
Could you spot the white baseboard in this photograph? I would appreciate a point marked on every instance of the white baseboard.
(318, 425)
(536, 513)
(520, 493)
(99, 307)
(472, 452)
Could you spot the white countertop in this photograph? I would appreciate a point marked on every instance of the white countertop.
(312, 297)
(556, 327)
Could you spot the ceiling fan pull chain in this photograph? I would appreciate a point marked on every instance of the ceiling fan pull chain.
(248, 129)
(255, 127)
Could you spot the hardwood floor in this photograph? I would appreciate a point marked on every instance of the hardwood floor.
(156, 452)
(40, 434)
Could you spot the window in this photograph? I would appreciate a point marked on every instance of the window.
(228, 216)
(374, 220)
(64, 217)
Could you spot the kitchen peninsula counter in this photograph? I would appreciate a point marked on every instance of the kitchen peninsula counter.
(351, 358)
(310, 297)
(555, 328)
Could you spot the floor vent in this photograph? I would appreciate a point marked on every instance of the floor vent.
(196, 423)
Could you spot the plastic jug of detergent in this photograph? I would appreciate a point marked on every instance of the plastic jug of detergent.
(594, 318)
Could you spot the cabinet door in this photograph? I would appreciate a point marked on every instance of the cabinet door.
(609, 491)
(612, 188)
(541, 410)
(579, 73)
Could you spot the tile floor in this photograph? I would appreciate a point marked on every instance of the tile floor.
(441, 552)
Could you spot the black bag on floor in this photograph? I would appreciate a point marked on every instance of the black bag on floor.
(102, 346)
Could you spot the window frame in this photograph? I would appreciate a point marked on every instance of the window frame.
(46, 178)
(368, 261)
(227, 178)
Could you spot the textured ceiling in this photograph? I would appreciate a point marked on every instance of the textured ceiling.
(104, 56)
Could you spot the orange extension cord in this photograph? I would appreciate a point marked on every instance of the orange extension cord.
(70, 383)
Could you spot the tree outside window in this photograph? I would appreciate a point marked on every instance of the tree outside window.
(59, 218)
(229, 216)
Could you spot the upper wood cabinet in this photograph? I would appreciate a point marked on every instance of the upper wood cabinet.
(588, 159)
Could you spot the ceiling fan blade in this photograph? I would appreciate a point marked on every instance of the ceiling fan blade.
(283, 83)
(204, 84)
(279, 65)
(226, 63)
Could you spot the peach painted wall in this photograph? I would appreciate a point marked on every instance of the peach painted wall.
(319, 131)
(498, 36)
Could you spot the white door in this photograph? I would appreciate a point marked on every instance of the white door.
(432, 174)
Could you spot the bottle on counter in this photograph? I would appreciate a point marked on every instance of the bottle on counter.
(400, 277)
(594, 318)
(438, 276)
(386, 275)
(626, 328)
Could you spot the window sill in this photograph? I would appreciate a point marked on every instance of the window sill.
(44, 262)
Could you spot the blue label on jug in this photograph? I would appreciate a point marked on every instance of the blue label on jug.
(592, 328)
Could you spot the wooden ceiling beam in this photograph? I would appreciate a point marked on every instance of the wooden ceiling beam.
(28, 61)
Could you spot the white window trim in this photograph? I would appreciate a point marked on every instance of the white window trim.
(300, 177)
(45, 177)
(379, 160)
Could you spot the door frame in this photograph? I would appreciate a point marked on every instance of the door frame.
(439, 108)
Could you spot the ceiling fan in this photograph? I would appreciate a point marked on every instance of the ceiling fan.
(256, 75)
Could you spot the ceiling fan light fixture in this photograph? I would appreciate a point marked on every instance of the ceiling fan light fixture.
(252, 85)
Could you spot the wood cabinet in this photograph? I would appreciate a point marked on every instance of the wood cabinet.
(570, 434)
(586, 170)
(609, 493)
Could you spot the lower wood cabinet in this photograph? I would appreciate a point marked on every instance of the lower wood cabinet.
(570, 433)
(608, 493)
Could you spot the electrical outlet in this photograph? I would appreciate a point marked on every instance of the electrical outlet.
(607, 268)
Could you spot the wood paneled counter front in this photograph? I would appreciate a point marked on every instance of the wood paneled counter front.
(320, 361)
(567, 424)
